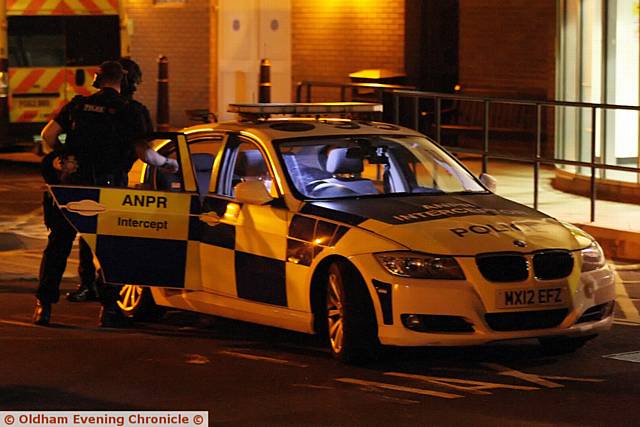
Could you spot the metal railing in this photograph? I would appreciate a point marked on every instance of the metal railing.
(537, 160)
(397, 94)
(378, 89)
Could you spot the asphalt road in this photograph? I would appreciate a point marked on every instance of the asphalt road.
(251, 375)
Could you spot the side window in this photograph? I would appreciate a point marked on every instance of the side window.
(164, 181)
(203, 152)
(245, 162)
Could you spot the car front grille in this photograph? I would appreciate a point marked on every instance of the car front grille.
(525, 320)
(503, 267)
(547, 265)
(552, 265)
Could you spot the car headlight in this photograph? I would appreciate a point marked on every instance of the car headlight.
(592, 257)
(420, 266)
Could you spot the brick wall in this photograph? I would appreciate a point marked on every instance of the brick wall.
(508, 45)
(333, 38)
(182, 33)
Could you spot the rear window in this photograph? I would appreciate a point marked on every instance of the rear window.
(56, 41)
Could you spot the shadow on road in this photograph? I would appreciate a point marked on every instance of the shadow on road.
(26, 397)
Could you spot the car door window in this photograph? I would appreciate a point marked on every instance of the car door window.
(244, 162)
(203, 152)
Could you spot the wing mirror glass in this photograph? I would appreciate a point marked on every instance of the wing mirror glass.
(489, 181)
(252, 192)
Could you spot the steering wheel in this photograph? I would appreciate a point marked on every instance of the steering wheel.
(310, 186)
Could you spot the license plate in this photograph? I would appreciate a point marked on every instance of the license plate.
(33, 103)
(531, 297)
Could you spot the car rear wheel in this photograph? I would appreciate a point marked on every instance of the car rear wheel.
(350, 318)
(562, 345)
(136, 302)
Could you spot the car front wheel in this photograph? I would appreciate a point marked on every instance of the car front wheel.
(351, 322)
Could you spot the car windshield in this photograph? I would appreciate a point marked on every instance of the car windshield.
(328, 168)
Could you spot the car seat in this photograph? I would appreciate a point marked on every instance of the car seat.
(345, 168)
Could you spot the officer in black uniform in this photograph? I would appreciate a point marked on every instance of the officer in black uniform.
(102, 133)
(87, 290)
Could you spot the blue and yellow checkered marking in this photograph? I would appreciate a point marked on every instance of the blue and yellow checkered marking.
(156, 238)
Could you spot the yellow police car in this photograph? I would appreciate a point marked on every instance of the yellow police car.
(366, 232)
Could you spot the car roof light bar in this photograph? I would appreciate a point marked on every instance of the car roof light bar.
(301, 108)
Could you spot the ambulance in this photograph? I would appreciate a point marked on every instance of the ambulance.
(365, 232)
(53, 48)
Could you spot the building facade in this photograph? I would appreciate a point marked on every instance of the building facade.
(575, 50)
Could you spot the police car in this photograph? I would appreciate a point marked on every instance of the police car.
(366, 232)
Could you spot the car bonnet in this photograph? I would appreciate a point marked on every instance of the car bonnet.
(463, 225)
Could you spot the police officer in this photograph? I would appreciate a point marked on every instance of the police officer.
(133, 78)
(101, 131)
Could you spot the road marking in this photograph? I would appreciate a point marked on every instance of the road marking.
(625, 322)
(317, 387)
(626, 267)
(17, 323)
(395, 387)
(263, 359)
(197, 359)
(542, 380)
(470, 386)
(629, 356)
(624, 302)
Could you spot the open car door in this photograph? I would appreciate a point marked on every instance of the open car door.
(140, 237)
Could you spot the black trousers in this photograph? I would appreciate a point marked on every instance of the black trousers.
(56, 253)
(60, 242)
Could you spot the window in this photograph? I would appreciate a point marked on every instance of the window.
(244, 162)
(203, 152)
(327, 168)
(599, 62)
(56, 41)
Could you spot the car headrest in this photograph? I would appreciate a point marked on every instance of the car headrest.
(339, 162)
(251, 163)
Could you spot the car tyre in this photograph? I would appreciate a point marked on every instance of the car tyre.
(351, 327)
(136, 302)
(563, 345)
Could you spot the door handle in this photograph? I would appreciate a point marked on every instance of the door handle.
(210, 218)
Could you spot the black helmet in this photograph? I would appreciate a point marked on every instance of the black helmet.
(134, 76)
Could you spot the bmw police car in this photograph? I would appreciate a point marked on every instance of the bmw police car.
(366, 232)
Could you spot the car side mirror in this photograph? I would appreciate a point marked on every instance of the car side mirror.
(252, 192)
(489, 181)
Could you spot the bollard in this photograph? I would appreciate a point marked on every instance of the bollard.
(264, 87)
(162, 112)
(4, 76)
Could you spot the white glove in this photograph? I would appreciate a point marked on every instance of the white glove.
(170, 166)
(165, 164)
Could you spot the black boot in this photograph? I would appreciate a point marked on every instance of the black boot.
(112, 317)
(84, 293)
(42, 313)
